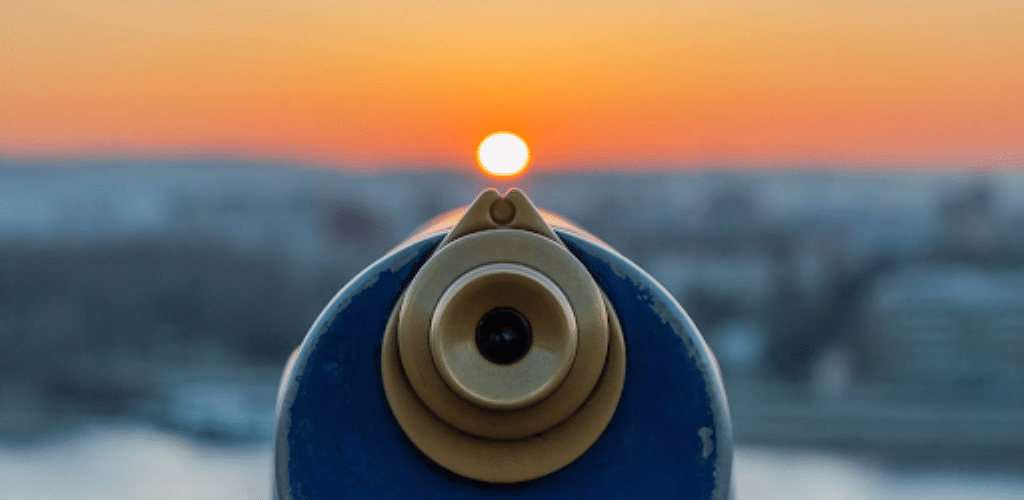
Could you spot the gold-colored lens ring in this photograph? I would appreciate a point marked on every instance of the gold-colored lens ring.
(551, 326)
(502, 246)
(499, 461)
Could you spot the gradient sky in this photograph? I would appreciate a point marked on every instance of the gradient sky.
(624, 84)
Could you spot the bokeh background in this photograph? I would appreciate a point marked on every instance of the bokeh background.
(834, 192)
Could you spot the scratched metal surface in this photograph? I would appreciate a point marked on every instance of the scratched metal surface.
(336, 438)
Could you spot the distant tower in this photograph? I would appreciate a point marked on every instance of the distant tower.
(732, 218)
(967, 222)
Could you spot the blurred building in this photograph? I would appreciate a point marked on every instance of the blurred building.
(950, 333)
(968, 221)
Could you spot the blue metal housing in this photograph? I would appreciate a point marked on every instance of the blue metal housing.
(337, 438)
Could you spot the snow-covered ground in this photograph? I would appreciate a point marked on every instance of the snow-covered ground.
(113, 463)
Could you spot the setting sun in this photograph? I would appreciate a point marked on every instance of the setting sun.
(503, 154)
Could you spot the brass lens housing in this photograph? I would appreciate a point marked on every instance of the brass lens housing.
(455, 325)
(485, 416)
(527, 412)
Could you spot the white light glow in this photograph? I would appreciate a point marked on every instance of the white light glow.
(503, 154)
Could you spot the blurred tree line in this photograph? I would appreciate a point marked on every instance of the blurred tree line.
(97, 324)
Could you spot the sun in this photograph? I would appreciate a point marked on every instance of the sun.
(503, 154)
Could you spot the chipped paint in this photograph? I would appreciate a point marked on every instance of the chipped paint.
(705, 438)
(337, 437)
(599, 259)
(391, 263)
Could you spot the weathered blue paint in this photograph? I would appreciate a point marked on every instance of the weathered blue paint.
(337, 437)
(673, 388)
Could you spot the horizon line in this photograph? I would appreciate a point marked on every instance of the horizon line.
(629, 166)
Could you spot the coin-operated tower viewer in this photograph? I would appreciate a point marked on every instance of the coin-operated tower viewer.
(501, 351)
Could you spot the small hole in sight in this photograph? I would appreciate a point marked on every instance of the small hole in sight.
(503, 336)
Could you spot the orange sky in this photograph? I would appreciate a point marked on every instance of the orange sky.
(641, 84)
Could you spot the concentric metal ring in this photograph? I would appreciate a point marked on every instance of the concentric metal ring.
(551, 347)
(541, 255)
(504, 461)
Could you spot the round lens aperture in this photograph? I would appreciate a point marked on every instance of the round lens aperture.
(503, 336)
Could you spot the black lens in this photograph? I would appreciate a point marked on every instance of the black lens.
(503, 336)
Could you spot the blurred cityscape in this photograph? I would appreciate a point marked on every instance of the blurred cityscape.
(882, 313)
